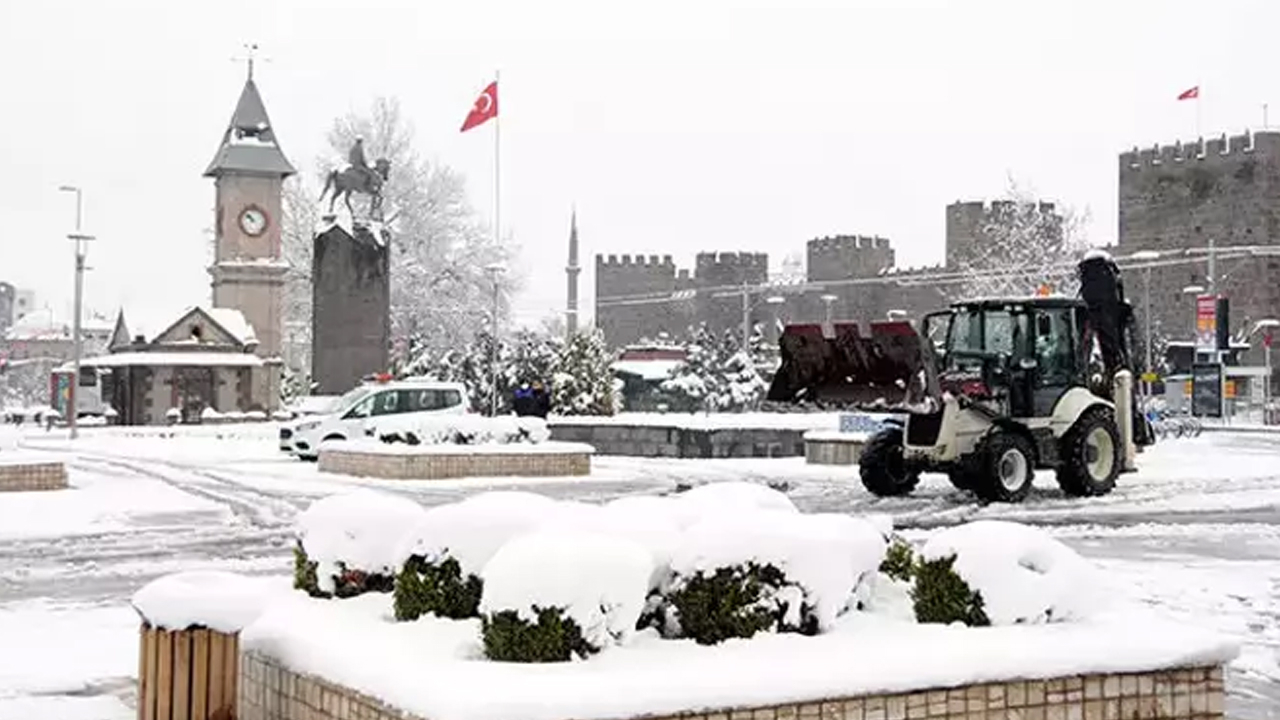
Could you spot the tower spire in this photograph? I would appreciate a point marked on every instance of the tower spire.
(571, 275)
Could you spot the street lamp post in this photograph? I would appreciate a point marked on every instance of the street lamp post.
(494, 271)
(73, 408)
(1144, 256)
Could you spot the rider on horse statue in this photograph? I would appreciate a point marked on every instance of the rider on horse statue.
(356, 158)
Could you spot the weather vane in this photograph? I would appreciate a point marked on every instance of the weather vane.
(251, 52)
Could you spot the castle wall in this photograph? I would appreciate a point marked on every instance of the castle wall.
(625, 321)
(847, 256)
(967, 222)
(1183, 195)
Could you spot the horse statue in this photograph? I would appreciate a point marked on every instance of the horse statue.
(355, 179)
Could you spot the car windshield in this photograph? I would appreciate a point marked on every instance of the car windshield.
(347, 401)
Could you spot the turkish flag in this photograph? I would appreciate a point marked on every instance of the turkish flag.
(1191, 94)
(485, 109)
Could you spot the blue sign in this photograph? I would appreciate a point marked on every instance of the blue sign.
(860, 423)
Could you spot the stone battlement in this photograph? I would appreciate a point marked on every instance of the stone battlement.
(734, 259)
(1200, 150)
(985, 207)
(841, 243)
(628, 261)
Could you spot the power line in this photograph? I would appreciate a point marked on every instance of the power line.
(908, 278)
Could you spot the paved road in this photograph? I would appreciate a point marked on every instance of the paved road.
(1211, 565)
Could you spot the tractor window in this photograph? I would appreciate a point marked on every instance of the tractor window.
(1000, 331)
(1003, 332)
(1055, 352)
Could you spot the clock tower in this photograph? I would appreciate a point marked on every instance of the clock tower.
(248, 271)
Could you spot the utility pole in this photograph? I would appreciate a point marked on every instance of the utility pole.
(73, 408)
(746, 317)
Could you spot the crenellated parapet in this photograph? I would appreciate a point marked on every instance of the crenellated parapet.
(847, 256)
(1233, 147)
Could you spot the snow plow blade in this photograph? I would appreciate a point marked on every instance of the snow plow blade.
(849, 369)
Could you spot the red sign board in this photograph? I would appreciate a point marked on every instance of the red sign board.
(1207, 322)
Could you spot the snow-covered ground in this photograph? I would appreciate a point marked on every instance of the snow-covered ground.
(1195, 534)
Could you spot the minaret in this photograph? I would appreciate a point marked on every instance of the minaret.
(571, 272)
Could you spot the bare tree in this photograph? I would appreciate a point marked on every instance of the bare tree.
(1023, 245)
(441, 293)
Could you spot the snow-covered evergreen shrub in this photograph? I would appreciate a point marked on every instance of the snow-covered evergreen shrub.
(1001, 573)
(444, 554)
(437, 588)
(459, 430)
(732, 496)
(348, 543)
(940, 595)
(583, 382)
(553, 595)
(693, 387)
(739, 573)
(899, 560)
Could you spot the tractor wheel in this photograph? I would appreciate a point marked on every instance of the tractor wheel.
(1005, 467)
(883, 469)
(1090, 453)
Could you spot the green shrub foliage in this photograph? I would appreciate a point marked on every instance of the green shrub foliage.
(899, 560)
(553, 638)
(440, 589)
(347, 583)
(941, 596)
(732, 602)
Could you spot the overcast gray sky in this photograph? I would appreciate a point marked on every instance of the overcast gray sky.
(673, 126)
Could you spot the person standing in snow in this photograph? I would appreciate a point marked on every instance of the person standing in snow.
(541, 399)
(524, 403)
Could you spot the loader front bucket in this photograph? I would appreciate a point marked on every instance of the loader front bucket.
(850, 369)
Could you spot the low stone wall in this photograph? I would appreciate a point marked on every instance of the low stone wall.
(829, 449)
(270, 691)
(677, 442)
(22, 476)
(440, 466)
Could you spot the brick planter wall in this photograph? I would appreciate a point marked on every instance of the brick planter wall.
(439, 466)
(677, 442)
(832, 452)
(270, 691)
(26, 476)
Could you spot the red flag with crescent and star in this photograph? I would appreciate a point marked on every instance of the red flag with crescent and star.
(1190, 94)
(485, 109)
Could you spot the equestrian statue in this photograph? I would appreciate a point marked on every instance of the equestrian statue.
(358, 177)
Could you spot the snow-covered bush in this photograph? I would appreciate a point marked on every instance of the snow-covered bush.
(1001, 573)
(899, 560)
(348, 543)
(554, 595)
(441, 559)
(736, 574)
(583, 382)
(459, 430)
(729, 497)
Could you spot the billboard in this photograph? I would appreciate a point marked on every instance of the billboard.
(1207, 322)
(1206, 390)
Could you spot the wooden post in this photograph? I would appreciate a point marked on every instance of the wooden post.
(187, 674)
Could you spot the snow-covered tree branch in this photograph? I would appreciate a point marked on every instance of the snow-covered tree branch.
(441, 291)
(1023, 245)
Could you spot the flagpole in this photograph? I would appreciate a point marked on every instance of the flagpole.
(497, 167)
(1199, 92)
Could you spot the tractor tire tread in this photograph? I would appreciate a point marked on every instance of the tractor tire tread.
(876, 465)
(985, 479)
(1073, 474)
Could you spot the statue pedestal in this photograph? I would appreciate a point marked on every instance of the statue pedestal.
(351, 311)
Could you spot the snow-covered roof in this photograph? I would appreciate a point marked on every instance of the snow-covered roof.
(648, 369)
(175, 359)
(249, 144)
(234, 322)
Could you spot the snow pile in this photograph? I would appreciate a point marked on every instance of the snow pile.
(600, 581)
(824, 555)
(1022, 574)
(472, 530)
(221, 601)
(731, 497)
(651, 522)
(9, 436)
(458, 429)
(361, 530)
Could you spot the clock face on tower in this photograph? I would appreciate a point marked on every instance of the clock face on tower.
(253, 221)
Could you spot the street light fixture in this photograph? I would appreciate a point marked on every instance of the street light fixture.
(896, 314)
(828, 300)
(494, 270)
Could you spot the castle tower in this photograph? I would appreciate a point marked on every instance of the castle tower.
(571, 272)
(248, 272)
